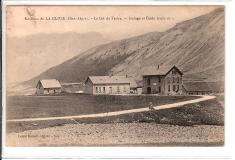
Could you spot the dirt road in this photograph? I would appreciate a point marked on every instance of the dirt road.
(166, 106)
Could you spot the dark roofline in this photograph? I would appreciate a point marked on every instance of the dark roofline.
(102, 83)
(209, 90)
(88, 77)
(46, 87)
(176, 69)
(86, 80)
(167, 72)
(38, 83)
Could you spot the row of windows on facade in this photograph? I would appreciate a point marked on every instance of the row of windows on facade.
(48, 90)
(102, 89)
(174, 79)
(175, 88)
(173, 72)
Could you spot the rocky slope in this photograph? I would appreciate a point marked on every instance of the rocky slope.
(196, 46)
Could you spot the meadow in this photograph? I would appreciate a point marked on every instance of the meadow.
(78, 104)
(209, 112)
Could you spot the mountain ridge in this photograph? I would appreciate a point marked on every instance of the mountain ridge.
(189, 45)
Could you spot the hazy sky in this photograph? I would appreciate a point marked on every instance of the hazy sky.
(113, 29)
(129, 21)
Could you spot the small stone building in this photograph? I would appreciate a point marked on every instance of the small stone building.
(72, 87)
(166, 80)
(196, 88)
(48, 86)
(107, 85)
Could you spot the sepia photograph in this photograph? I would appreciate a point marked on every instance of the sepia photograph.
(115, 75)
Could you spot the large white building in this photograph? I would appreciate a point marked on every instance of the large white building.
(163, 80)
(107, 85)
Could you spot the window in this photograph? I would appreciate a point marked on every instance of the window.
(124, 88)
(159, 79)
(149, 90)
(96, 89)
(148, 81)
(173, 87)
(177, 88)
(99, 89)
(159, 89)
(173, 79)
(169, 88)
(118, 89)
(178, 79)
(168, 79)
(103, 89)
(110, 89)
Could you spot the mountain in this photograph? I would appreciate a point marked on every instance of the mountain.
(32, 51)
(196, 46)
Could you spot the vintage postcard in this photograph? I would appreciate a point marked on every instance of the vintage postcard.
(115, 75)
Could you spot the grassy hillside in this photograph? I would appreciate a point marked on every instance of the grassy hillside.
(196, 46)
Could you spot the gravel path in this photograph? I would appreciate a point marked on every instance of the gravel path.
(130, 134)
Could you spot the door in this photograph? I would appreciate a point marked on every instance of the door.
(149, 90)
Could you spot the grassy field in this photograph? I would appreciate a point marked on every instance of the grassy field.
(67, 105)
(209, 112)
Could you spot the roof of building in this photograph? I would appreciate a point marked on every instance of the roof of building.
(109, 79)
(159, 71)
(133, 83)
(139, 84)
(50, 83)
(196, 86)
